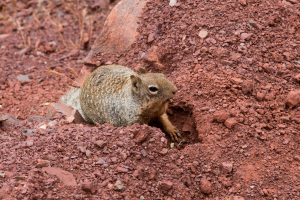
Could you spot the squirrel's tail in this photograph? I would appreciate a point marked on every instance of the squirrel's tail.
(71, 99)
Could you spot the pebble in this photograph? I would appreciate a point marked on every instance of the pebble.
(293, 98)
(220, 116)
(205, 186)
(227, 167)
(144, 153)
(23, 78)
(43, 163)
(230, 123)
(122, 170)
(100, 143)
(88, 187)
(118, 185)
(203, 34)
(166, 185)
(260, 96)
(172, 3)
(243, 2)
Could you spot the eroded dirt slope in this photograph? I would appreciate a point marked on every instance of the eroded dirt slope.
(235, 64)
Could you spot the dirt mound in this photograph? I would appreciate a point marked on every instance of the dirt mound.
(236, 66)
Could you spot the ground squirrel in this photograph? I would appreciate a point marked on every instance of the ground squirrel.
(117, 95)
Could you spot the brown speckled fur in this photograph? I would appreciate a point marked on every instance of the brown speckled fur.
(117, 95)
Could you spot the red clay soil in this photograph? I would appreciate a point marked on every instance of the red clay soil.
(237, 106)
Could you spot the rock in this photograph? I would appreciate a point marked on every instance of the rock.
(172, 3)
(100, 143)
(119, 31)
(293, 1)
(297, 78)
(43, 163)
(50, 47)
(205, 186)
(260, 96)
(293, 98)
(230, 123)
(238, 198)
(118, 186)
(141, 137)
(243, 2)
(164, 151)
(246, 36)
(28, 143)
(151, 37)
(166, 185)
(74, 53)
(236, 81)
(144, 153)
(88, 187)
(253, 23)
(227, 167)
(65, 177)
(267, 68)
(203, 34)
(220, 116)
(210, 41)
(23, 78)
(297, 158)
(235, 56)
(247, 87)
(122, 170)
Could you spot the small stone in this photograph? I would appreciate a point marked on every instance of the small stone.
(144, 153)
(286, 141)
(238, 198)
(87, 153)
(220, 116)
(297, 78)
(118, 186)
(122, 170)
(172, 3)
(205, 108)
(88, 187)
(243, 2)
(230, 123)
(205, 186)
(151, 37)
(74, 53)
(267, 68)
(297, 158)
(237, 80)
(203, 34)
(246, 36)
(43, 163)
(235, 56)
(23, 78)
(120, 144)
(164, 151)
(166, 185)
(253, 23)
(100, 143)
(247, 87)
(293, 98)
(227, 167)
(260, 96)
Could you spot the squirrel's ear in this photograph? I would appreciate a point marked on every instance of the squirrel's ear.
(142, 70)
(135, 82)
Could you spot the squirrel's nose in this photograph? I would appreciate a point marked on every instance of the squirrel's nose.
(174, 90)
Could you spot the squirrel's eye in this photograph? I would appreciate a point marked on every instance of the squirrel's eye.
(153, 89)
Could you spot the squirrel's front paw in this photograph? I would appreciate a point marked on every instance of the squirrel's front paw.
(174, 133)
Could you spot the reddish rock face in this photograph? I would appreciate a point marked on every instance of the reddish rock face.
(120, 29)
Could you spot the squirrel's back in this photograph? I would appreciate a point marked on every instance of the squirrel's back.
(106, 96)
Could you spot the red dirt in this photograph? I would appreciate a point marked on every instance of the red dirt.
(240, 138)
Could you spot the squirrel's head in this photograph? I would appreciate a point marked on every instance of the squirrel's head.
(152, 87)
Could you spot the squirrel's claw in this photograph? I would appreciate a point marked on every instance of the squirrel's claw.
(174, 134)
